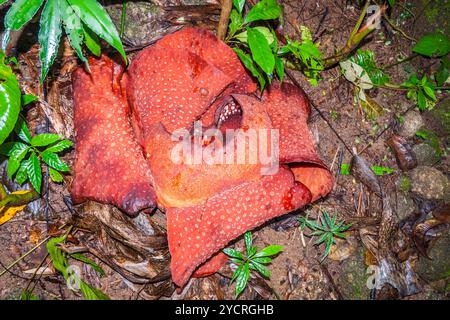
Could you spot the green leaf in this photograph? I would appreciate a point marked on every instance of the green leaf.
(50, 31)
(345, 169)
(86, 260)
(261, 51)
(249, 65)
(17, 153)
(27, 294)
(54, 161)
(98, 20)
(236, 22)
(74, 29)
(22, 131)
(239, 5)
(433, 45)
(263, 260)
(55, 175)
(28, 98)
(443, 73)
(90, 293)
(379, 171)
(421, 100)
(264, 10)
(34, 172)
(248, 241)
(21, 175)
(269, 251)
(44, 139)
(260, 268)
(56, 254)
(233, 253)
(92, 42)
(21, 12)
(243, 37)
(391, 3)
(59, 146)
(242, 279)
(279, 68)
(366, 59)
(429, 92)
(10, 99)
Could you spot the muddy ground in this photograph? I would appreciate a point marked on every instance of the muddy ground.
(297, 272)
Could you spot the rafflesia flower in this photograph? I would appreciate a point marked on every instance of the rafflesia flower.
(185, 130)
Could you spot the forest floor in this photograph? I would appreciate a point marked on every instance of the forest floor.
(297, 273)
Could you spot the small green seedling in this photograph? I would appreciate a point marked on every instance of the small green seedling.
(25, 156)
(250, 261)
(327, 230)
(61, 264)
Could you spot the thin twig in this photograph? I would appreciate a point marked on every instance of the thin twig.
(24, 255)
(289, 74)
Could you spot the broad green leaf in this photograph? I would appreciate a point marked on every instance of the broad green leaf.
(269, 251)
(28, 98)
(57, 256)
(260, 268)
(264, 31)
(430, 92)
(264, 10)
(27, 294)
(10, 99)
(44, 139)
(279, 68)
(59, 146)
(55, 175)
(50, 31)
(248, 241)
(86, 260)
(74, 29)
(98, 20)
(242, 279)
(249, 65)
(233, 253)
(54, 161)
(236, 22)
(366, 59)
(433, 45)
(92, 42)
(17, 153)
(345, 169)
(22, 131)
(237, 272)
(379, 171)
(391, 3)
(443, 73)
(421, 100)
(2, 1)
(34, 172)
(90, 293)
(261, 52)
(239, 4)
(21, 175)
(263, 260)
(21, 12)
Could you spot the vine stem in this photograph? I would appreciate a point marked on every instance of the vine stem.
(357, 34)
(224, 18)
(122, 18)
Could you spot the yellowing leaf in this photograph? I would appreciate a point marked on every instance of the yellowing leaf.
(7, 214)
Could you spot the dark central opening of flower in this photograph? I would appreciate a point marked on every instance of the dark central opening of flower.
(229, 115)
